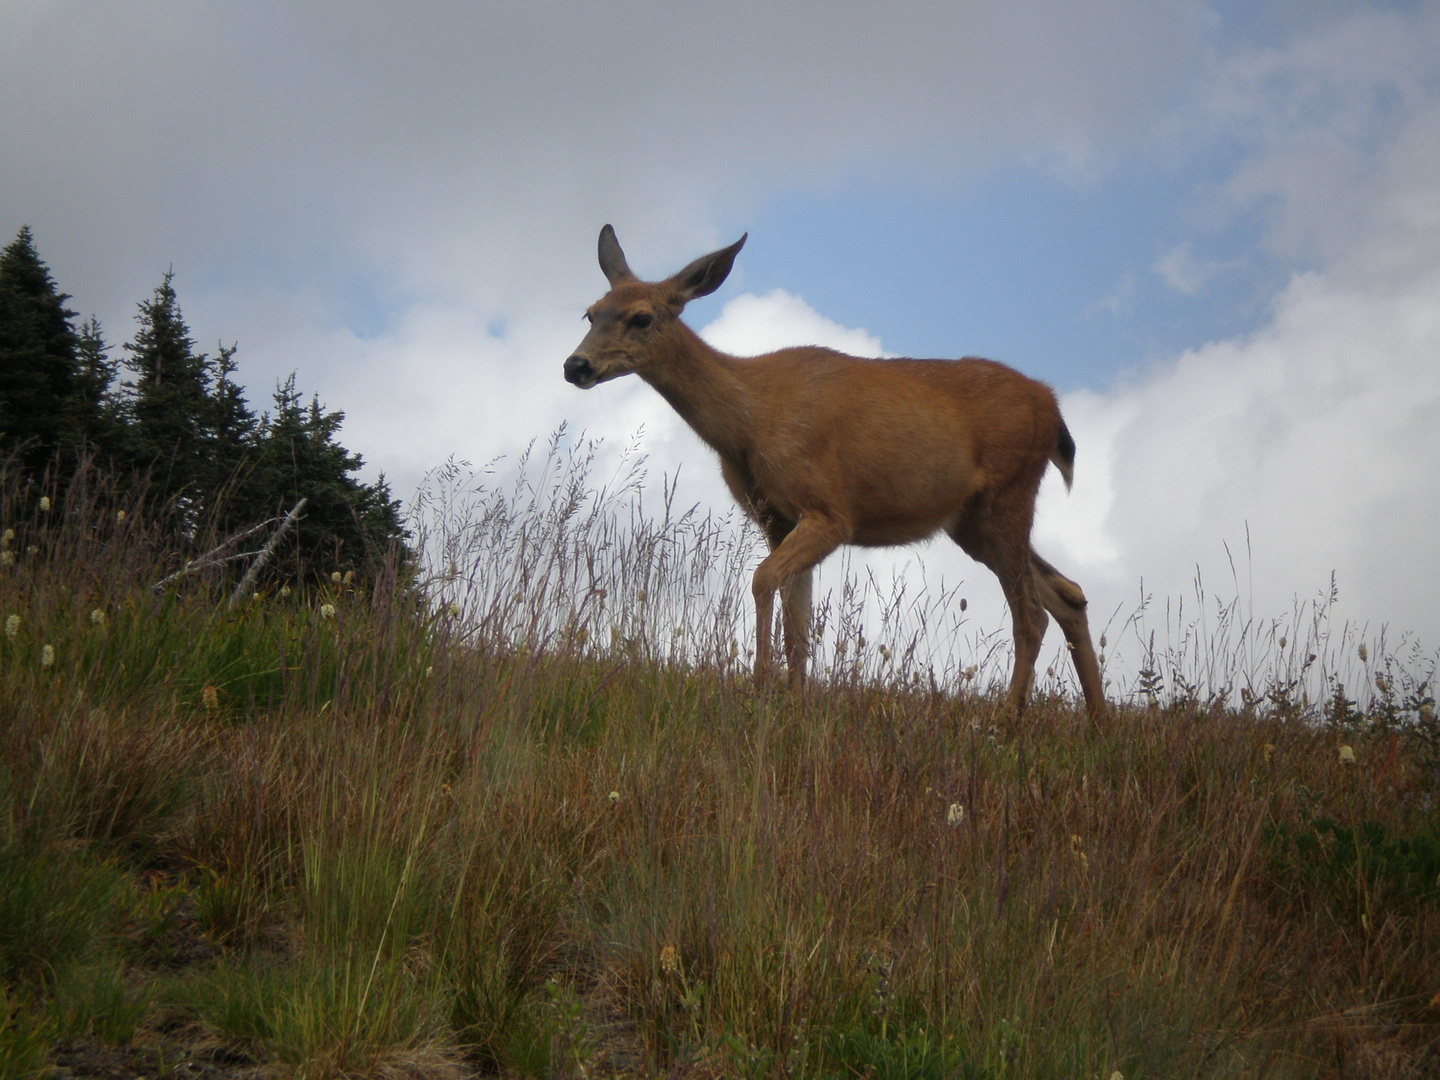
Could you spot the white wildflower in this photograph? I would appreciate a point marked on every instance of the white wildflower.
(97, 617)
(335, 577)
(45, 503)
(327, 611)
(955, 816)
(1347, 756)
(47, 656)
(7, 558)
(12, 626)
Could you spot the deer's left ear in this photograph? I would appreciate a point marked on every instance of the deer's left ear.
(612, 259)
(707, 273)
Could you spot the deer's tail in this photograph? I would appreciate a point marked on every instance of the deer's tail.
(1064, 454)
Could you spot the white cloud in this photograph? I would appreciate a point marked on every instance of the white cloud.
(1183, 272)
(460, 160)
(750, 325)
(1318, 435)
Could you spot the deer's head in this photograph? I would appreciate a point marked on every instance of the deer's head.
(631, 321)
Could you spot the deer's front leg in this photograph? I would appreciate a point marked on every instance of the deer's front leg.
(795, 617)
(807, 544)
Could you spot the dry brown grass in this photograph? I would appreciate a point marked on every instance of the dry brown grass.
(405, 841)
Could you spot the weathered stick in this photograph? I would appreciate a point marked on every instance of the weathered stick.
(204, 562)
(265, 553)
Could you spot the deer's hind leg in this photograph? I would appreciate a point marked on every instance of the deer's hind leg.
(998, 536)
(1066, 601)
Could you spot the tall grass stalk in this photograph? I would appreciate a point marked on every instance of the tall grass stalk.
(526, 812)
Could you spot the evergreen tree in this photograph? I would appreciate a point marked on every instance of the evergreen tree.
(346, 524)
(183, 419)
(187, 422)
(236, 490)
(94, 401)
(41, 406)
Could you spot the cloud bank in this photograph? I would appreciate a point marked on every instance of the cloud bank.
(403, 205)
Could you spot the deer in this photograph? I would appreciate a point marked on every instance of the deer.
(822, 449)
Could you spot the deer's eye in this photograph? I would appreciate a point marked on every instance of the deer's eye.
(639, 320)
(586, 316)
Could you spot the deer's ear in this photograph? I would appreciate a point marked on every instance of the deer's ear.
(612, 259)
(707, 273)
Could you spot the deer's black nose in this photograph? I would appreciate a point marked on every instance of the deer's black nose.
(579, 371)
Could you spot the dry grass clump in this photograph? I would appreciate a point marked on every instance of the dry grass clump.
(408, 838)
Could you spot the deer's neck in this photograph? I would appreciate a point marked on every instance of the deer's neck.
(708, 389)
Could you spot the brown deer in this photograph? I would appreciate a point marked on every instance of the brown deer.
(823, 449)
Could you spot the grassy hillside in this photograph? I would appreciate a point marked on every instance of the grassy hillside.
(363, 832)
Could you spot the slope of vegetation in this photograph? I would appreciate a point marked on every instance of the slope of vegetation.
(528, 816)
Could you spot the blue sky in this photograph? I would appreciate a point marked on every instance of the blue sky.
(1018, 265)
(1214, 228)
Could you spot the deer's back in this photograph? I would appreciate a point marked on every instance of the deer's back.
(894, 448)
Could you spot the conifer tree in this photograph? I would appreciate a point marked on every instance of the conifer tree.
(347, 524)
(171, 414)
(182, 419)
(39, 364)
(94, 400)
(235, 490)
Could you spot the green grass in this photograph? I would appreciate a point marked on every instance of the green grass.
(398, 840)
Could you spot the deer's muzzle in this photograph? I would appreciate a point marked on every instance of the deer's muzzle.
(579, 371)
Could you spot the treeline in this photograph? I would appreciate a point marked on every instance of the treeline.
(171, 427)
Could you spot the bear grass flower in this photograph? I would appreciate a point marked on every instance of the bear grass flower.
(327, 611)
(97, 617)
(47, 656)
(1347, 755)
(955, 816)
(12, 626)
(45, 503)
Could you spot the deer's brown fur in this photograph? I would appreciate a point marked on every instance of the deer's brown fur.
(824, 449)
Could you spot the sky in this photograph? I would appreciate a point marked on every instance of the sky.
(1213, 228)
